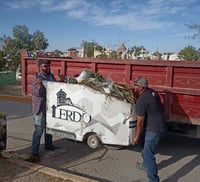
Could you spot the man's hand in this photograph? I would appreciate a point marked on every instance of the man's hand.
(135, 140)
(38, 81)
(138, 130)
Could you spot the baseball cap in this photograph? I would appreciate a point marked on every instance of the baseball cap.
(43, 62)
(141, 81)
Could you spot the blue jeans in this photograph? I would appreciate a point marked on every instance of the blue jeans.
(40, 126)
(149, 144)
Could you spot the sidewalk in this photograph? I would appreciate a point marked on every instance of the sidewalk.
(18, 170)
(21, 171)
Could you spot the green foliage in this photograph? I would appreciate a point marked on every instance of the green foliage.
(22, 39)
(189, 53)
(2, 61)
(89, 48)
(39, 42)
(137, 50)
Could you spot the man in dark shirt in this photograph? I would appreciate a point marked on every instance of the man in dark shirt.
(39, 109)
(151, 126)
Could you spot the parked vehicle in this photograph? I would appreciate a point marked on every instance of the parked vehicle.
(178, 82)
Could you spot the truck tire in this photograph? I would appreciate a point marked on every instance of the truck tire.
(93, 141)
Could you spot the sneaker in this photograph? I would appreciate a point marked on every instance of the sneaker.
(51, 147)
(141, 166)
(33, 158)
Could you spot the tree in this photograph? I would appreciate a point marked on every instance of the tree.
(189, 53)
(136, 50)
(195, 27)
(39, 42)
(10, 46)
(22, 39)
(89, 48)
(2, 61)
(1, 43)
(11, 53)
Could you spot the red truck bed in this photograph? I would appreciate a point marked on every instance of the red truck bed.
(178, 82)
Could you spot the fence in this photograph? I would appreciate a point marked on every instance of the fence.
(7, 77)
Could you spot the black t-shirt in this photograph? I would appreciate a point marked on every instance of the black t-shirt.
(149, 105)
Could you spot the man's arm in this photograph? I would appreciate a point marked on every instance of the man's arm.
(139, 128)
(36, 85)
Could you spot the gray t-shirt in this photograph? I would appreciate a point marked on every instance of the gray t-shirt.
(149, 105)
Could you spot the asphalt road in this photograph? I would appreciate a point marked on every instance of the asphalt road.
(15, 110)
(178, 157)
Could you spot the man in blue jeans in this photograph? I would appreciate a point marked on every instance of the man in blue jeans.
(39, 110)
(151, 126)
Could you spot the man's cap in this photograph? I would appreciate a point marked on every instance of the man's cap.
(43, 62)
(141, 81)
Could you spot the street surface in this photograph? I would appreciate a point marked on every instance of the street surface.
(178, 157)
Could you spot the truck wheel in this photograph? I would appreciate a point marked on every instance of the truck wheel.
(93, 141)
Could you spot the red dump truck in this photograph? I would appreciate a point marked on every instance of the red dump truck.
(178, 82)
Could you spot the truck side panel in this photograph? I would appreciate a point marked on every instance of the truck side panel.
(178, 82)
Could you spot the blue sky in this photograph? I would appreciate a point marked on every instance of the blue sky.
(154, 24)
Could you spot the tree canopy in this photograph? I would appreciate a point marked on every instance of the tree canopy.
(195, 27)
(39, 42)
(137, 50)
(89, 48)
(189, 53)
(22, 39)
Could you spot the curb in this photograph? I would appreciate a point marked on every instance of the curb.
(61, 175)
(16, 98)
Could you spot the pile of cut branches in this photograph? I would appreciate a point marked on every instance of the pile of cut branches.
(97, 82)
